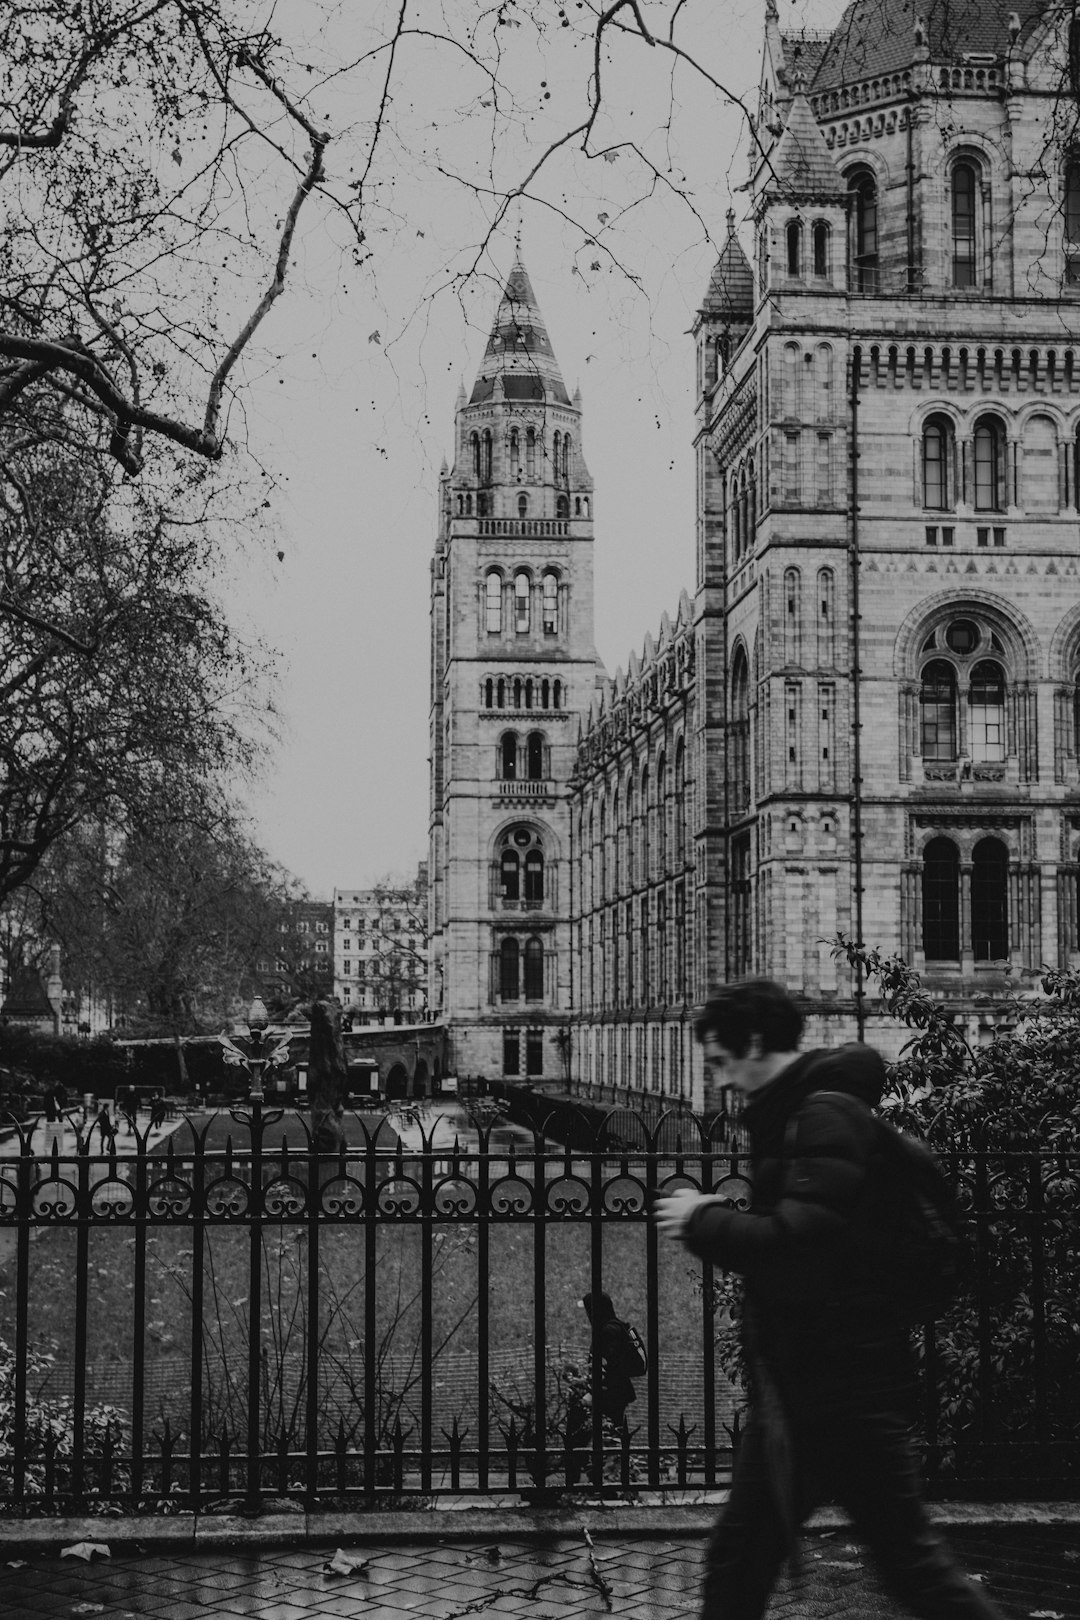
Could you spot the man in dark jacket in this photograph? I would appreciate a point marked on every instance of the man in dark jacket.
(828, 1352)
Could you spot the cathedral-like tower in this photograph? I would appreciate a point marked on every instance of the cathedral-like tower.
(513, 667)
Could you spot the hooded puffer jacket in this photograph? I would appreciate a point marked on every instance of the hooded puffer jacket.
(815, 1314)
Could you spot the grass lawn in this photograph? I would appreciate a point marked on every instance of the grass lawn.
(347, 1332)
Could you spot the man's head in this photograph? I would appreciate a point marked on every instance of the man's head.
(750, 1031)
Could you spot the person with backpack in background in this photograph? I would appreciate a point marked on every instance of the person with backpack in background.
(825, 1318)
(622, 1356)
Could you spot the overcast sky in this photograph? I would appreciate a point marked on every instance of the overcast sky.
(352, 406)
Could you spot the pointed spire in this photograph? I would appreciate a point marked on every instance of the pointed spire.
(801, 162)
(730, 292)
(519, 350)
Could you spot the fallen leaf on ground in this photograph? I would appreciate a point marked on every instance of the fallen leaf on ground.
(86, 1550)
(343, 1563)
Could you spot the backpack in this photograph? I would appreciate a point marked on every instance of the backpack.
(907, 1225)
(632, 1358)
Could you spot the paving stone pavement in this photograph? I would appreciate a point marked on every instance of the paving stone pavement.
(1029, 1570)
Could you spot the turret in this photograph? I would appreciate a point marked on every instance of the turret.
(726, 312)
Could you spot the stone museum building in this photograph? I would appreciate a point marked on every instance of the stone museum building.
(865, 717)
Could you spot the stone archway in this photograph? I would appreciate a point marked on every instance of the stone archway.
(397, 1081)
(420, 1085)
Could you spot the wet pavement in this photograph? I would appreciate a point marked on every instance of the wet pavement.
(1030, 1569)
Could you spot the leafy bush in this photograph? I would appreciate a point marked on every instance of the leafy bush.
(50, 1435)
(1005, 1118)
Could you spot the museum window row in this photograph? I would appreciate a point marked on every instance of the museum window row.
(637, 1057)
(522, 692)
(521, 969)
(636, 831)
(526, 456)
(520, 601)
(521, 758)
(637, 953)
(990, 467)
(521, 878)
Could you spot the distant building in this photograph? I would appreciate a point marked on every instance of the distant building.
(380, 952)
(297, 964)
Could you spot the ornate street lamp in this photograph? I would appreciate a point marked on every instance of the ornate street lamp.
(257, 1020)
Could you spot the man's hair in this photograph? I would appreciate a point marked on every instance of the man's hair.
(737, 1012)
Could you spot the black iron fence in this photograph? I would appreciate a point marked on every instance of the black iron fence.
(230, 1317)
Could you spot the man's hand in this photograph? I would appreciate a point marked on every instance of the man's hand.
(672, 1211)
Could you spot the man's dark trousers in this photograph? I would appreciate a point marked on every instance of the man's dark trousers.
(864, 1463)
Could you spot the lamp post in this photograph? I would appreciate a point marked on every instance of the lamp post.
(258, 1018)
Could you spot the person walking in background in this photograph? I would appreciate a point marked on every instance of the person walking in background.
(622, 1356)
(826, 1346)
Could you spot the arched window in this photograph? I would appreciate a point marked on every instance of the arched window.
(483, 505)
(821, 248)
(510, 875)
(1071, 233)
(515, 453)
(577, 505)
(562, 507)
(486, 472)
(566, 445)
(989, 465)
(646, 829)
(989, 900)
(556, 694)
(941, 901)
(534, 877)
(556, 447)
(863, 188)
(523, 506)
(551, 604)
(530, 453)
(964, 234)
(793, 235)
(680, 806)
(517, 692)
(938, 708)
(529, 693)
(545, 694)
(534, 756)
(509, 969)
(500, 693)
(1040, 467)
(937, 445)
(661, 816)
(986, 712)
(739, 768)
(534, 969)
(521, 601)
(474, 442)
(489, 693)
(493, 603)
(508, 756)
